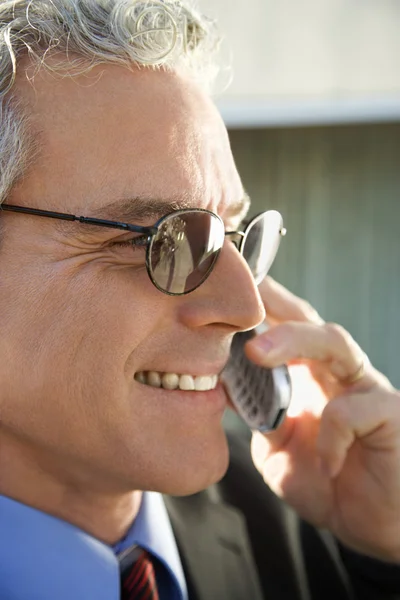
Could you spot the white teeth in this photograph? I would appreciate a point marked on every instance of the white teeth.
(170, 381)
(173, 381)
(153, 379)
(140, 377)
(204, 383)
(186, 383)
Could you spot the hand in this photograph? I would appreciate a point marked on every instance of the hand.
(336, 457)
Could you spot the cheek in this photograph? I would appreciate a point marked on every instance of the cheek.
(65, 346)
(81, 315)
(68, 354)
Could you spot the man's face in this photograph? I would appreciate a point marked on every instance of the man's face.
(79, 314)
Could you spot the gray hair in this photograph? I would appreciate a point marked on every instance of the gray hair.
(85, 33)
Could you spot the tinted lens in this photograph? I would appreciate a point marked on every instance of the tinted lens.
(184, 250)
(261, 243)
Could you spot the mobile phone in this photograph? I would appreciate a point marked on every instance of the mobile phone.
(260, 395)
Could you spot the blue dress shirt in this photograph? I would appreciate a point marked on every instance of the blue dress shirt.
(43, 558)
(152, 530)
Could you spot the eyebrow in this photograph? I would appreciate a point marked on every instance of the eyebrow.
(134, 211)
(138, 210)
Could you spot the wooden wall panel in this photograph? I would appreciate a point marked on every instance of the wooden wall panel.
(338, 189)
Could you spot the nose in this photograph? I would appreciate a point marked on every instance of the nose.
(229, 297)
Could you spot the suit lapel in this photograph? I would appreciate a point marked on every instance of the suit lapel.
(214, 547)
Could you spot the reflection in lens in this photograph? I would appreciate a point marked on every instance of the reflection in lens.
(261, 244)
(184, 250)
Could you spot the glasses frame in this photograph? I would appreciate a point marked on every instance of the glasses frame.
(237, 237)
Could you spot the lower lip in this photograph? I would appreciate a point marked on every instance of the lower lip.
(216, 398)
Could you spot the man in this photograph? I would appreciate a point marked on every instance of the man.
(116, 326)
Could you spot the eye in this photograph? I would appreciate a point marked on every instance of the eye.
(138, 242)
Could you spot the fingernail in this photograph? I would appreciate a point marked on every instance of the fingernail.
(263, 345)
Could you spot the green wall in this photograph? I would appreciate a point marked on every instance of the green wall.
(338, 189)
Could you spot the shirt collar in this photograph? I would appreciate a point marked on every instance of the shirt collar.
(152, 531)
(42, 557)
(33, 551)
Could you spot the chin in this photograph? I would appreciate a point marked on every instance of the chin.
(196, 473)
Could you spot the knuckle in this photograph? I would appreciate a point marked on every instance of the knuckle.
(336, 414)
(338, 334)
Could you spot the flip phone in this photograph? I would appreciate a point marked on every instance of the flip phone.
(261, 396)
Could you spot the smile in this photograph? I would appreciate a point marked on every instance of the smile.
(173, 381)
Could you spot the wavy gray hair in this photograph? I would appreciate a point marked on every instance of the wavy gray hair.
(85, 33)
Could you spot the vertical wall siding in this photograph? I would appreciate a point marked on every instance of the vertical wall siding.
(338, 189)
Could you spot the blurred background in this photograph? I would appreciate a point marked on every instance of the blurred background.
(313, 113)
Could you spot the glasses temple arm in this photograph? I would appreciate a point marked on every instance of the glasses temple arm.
(85, 220)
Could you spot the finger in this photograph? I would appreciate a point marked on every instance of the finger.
(358, 416)
(328, 343)
(281, 305)
(264, 445)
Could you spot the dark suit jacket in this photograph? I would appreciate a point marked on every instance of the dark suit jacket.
(238, 541)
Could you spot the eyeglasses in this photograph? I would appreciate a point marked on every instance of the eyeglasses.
(182, 248)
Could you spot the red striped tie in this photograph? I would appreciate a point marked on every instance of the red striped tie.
(140, 583)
